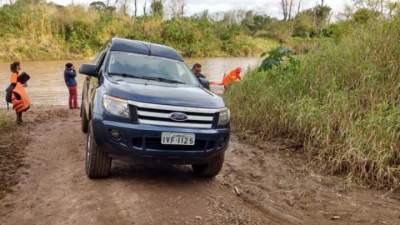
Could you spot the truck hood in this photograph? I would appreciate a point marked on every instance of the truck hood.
(162, 93)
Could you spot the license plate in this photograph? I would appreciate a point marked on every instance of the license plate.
(177, 138)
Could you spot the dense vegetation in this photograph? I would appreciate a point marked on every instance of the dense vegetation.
(341, 99)
(31, 29)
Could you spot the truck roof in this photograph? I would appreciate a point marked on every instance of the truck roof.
(144, 48)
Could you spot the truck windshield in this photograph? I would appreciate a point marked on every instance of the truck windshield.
(150, 68)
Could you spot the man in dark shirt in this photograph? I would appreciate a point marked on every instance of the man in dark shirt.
(69, 77)
(196, 70)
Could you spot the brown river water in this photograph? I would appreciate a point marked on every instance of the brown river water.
(47, 86)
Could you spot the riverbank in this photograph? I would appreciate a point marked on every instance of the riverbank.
(340, 101)
(50, 49)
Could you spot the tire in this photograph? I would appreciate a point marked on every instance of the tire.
(211, 169)
(97, 163)
(84, 121)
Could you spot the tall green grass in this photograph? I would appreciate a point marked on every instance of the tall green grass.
(341, 101)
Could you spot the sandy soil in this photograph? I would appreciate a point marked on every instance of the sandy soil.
(267, 184)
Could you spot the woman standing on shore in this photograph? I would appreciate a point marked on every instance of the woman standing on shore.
(19, 98)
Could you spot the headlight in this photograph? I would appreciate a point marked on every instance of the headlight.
(224, 118)
(116, 106)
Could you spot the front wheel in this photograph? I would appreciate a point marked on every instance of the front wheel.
(84, 120)
(98, 163)
(210, 169)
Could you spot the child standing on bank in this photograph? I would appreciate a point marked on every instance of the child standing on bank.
(70, 81)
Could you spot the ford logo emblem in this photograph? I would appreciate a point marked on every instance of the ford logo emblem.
(179, 117)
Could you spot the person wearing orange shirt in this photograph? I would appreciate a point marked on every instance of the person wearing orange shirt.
(232, 76)
(19, 99)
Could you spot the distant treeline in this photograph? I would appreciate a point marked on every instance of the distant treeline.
(38, 30)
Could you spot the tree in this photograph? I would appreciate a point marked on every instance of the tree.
(310, 22)
(135, 8)
(394, 8)
(287, 7)
(177, 8)
(304, 25)
(298, 7)
(98, 5)
(322, 14)
(364, 15)
(254, 23)
(290, 9)
(124, 6)
(377, 5)
(157, 8)
(144, 8)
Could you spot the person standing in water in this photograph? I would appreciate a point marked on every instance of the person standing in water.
(18, 96)
(70, 81)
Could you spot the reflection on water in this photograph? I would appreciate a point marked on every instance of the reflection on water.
(47, 86)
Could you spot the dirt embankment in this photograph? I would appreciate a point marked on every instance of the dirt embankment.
(267, 184)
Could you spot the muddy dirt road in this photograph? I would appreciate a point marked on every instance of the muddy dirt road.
(268, 184)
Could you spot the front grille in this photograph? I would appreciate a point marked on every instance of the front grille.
(154, 114)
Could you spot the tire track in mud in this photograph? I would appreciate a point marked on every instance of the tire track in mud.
(56, 190)
(257, 186)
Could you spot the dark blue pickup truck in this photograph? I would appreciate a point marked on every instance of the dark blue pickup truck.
(140, 102)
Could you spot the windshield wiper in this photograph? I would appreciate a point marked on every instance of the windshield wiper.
(123, 75)
(160, 79)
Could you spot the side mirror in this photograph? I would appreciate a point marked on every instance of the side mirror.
(88, 69)
(205, 83)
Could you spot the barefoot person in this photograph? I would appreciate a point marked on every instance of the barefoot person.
(18, 96)
(69, 77)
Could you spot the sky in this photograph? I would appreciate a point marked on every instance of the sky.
(270, 7)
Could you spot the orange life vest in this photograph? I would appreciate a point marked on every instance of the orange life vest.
(232, 76)
(20, 99)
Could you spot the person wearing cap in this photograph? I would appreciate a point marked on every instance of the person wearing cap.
(70, 81)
